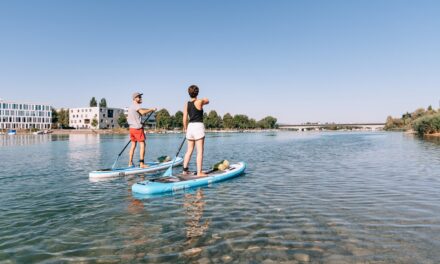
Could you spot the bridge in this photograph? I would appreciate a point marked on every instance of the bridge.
(344, 126)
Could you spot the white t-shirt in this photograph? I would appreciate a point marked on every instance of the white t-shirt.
(134, 118)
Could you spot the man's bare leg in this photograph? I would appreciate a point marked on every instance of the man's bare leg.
(142, 155)
(132, 148)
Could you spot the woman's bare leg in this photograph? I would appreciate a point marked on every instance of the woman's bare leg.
(188, 153)
(200, 147)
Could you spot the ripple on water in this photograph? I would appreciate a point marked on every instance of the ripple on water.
(306, 197)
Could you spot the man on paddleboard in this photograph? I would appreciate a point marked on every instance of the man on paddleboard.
(194, 128)
(135, 113)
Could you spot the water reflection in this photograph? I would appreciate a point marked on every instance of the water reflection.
(23, 140)
(433, 139)
(307, 198)
(194, 205)
(136, 234)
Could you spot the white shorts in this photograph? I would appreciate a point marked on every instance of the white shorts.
(195, 131)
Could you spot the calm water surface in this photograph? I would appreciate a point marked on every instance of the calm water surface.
(310, 197)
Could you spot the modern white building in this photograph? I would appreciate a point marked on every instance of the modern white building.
(94, 117)
(16, 115)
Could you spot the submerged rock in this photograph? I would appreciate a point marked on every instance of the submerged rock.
(226, 258)
(204, 261)
(192, 252)
(301, 257)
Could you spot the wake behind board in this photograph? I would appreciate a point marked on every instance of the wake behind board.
(181, 182)
(152, 167)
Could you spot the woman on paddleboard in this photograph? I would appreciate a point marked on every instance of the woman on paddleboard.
(194, 128)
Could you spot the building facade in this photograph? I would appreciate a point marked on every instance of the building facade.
(94, 117)
(16, 115)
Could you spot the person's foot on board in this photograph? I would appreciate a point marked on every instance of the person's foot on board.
(130, 165)
(186, 171)
(201, 174)
(143, 166)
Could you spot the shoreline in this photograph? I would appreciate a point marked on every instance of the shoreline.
(148, 131)
(433, 135)
(161, 131)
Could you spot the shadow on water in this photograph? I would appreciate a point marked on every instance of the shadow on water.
(432, 139)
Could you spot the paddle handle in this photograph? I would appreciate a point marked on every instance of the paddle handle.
(169, 171)
(143, 124)
(128, 143)
(181, 145)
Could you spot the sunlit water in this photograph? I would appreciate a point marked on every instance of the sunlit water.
(305, 197)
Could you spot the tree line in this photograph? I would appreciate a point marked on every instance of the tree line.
(423, 121)
(212, 120)
(164, 120)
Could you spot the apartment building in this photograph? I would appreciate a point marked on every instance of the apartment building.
(19, 115)
(94, 117)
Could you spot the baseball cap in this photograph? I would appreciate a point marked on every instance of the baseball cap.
(136, 94)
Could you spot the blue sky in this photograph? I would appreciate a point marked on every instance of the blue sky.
(300, 61)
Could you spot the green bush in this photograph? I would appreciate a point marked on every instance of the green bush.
(427, 124)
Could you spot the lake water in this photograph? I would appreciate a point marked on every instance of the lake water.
(306, 197)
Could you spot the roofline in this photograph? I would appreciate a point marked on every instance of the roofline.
(15, 102)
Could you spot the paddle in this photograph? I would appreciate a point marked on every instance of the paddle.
(169, 171)
(120, 153)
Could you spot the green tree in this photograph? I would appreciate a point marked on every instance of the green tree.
(427, 124)
(213, 120)
(103, 103)
(406, 115)
(228, 121)
(252, 123)
(55, 118)
(94, 122)
(205, 118)
(430, 110)
(122, 120)
(240, 121)
(418, 113)
(63, 118)
(268, 122)
(178, 119)
(93, 102)
(163, 119)
(389, 124)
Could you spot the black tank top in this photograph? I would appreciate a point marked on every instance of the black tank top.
(195, 115)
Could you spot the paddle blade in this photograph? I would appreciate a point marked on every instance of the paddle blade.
(114, 164)
(169, 171)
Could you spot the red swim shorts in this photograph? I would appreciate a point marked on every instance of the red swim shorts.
(137, 135)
